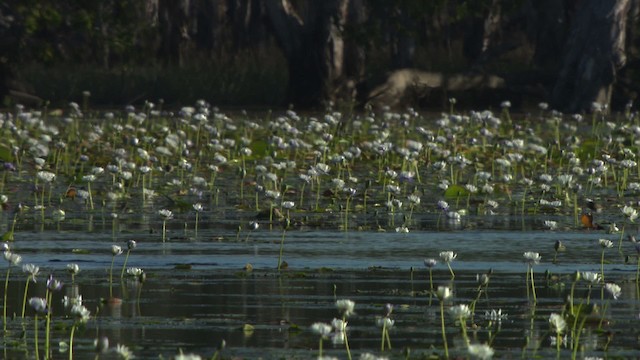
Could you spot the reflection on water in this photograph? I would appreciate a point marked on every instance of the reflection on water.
(195, 307)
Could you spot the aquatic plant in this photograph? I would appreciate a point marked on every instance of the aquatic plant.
(480, 351)
(73, 269)
(531, 258)
(460, 313)
(53, 285)
(32, 271)
(447, 257)
(131, 244)
(288, 205)
(80, 316)
(197, 207)
(323, 330)
(430, 263)
(166, 216)
(604, 244)
(558, 326)
(115, 251)
(443, 293)
(41, 308)
(12, 260)
(345, 309)
(385, 322)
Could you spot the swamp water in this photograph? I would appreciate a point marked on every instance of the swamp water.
(365, 240)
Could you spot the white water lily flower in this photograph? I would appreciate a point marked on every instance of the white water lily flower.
(550, 224)
(444, 292)
(533, 258)
(166, 214)
(430, 262)
(46, 176)
(32, 270)
(321, 328)
(480, 351)
(339, 325)
(461, 311)
(630, 213)
(124, 352)
(385, 321)
(495, 315)
(135, 272)
(80, 312)
(448, 256)
(12, 258)
(591, 277)
(116, 250)
(557, 322)
(613, 289)
(345, 307)
(605, 243)
(38, 304)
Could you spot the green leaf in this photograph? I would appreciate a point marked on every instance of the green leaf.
(259, 148)
(8, 236)
(5, 154)
(455, 191)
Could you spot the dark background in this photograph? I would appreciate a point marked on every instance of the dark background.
(264, 53)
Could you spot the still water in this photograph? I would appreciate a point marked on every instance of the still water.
(199, 292)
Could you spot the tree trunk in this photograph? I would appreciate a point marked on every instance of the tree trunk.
(173, 20)
(594, 52)
(313, 46)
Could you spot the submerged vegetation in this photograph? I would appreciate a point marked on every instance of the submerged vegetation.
(201, 175)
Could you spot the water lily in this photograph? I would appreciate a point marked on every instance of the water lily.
(532, 258)
(80, 315)
(40, 307)
(166, 215)
(443, 293)
(31, 270)
(480, 351)
(115, 251)
(198, 209)
(558, 326)
(73, 269)
(447, 257)
(124, 352)
(605, 244)
(12, 260)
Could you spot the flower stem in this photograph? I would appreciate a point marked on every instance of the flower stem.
(444, 335)
(124, 264)
(113, 258)
(384, 329)
(48, 328)
(284, 231)
(35, 336)
(346, 339)
(453, 276)
(4, 306)
(533, 287)
(73, 329)
(24, 298)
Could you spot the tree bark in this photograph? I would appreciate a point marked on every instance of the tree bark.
(173, 20)
(313, 46)
(594, 52)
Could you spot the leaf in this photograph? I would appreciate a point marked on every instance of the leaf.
(247, 329)
(5, 154)
(259, 148)
(80, 251)
(8, 236)
(455, 191)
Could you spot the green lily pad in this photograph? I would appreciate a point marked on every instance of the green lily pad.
(454, 191)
